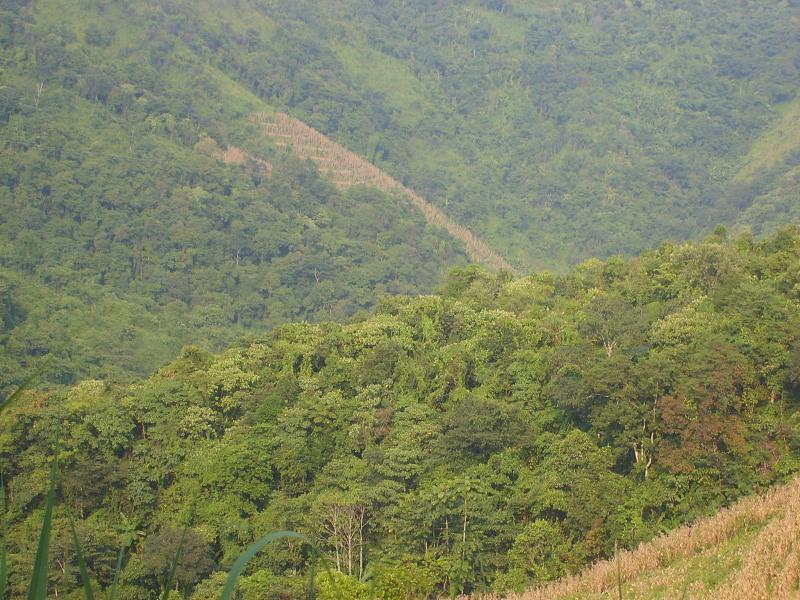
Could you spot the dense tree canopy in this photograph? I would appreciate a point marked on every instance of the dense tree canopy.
(558, 130)
(501, 433)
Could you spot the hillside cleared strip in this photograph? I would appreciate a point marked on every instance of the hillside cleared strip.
(348, 169)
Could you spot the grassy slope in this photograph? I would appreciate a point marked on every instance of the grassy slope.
(776, 144)
(347, 169)
(769, 178)
(750, 550)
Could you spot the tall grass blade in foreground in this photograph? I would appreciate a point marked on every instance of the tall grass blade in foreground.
(619, 570)
(241, 562)
(312, 573)
(175, 562)
(15, 395)
(112, 595)
(38, 587)
(3, 571)
(3, 551)
(87, 584)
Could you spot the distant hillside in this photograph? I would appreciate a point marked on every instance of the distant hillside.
(750, 550)
(539, 133)
(140, 209)
(555, 130)
(775, 146)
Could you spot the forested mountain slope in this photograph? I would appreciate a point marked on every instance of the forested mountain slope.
(123, 236)
(557, 129)
(503, 433)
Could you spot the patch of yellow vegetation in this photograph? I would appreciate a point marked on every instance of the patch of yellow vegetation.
(509, 30)
(750, 550)
(775, 144)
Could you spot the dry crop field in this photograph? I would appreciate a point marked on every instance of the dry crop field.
(750, 551)
(348, 169)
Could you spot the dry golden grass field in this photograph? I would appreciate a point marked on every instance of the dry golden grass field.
(750, 551)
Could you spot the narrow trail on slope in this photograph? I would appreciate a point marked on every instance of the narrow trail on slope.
(348, 169)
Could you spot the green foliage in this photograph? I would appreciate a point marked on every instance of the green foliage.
(481, 440)
(501, 433)
(538, 554)
(3, 546)
(85, 581)
(178, 557)
(594, 130)
(245, 557)
(3, 571)
(124, 231)
(37, 589)
(406, 580)
(112, 593)
(338, 586)
(557, 130)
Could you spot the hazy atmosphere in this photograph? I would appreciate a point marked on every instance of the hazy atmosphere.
(399, 299)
